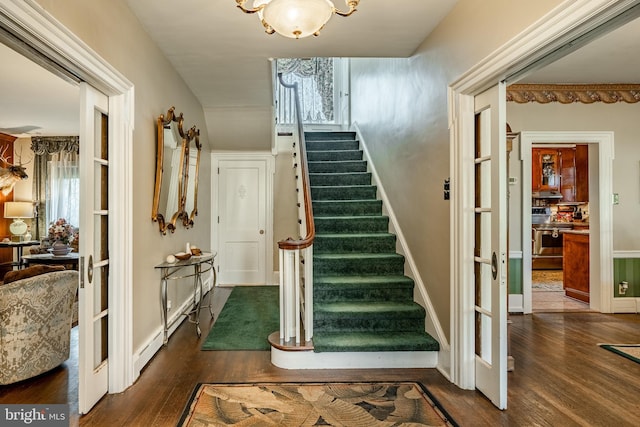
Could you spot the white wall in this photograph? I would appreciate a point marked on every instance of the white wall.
(401, 107)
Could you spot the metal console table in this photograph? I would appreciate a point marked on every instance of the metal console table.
(172, 271)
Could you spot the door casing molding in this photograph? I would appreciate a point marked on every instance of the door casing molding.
(601, 241)
(269, 159)
(50, 41)
(564, 23)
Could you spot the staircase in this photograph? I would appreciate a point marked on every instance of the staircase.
(363, 302)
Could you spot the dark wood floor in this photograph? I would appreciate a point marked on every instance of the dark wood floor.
(562, 378)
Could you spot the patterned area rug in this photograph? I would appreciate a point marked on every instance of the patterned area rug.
(314, 404)
(630, 351)
(546, 280)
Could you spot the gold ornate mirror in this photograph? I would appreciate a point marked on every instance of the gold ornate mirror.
(172, 149)
(191, 168)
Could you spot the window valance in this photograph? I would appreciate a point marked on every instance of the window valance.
(55, 144)
(322, 72)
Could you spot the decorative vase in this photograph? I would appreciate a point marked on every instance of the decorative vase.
(59, 248)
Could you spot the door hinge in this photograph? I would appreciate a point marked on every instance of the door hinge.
(218, 171)
(218, 220)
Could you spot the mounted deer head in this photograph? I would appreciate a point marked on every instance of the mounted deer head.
(10, 173)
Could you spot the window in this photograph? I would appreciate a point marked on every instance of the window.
(63, 188)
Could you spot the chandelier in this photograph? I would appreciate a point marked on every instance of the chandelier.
(295, 18)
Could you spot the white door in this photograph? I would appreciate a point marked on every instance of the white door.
(242, 195)
(94, 265)
(491, 245)
(342, 89)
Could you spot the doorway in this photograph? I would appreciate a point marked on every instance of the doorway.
(38, 36)
(530, 52)
(560, 213)
(600, 213)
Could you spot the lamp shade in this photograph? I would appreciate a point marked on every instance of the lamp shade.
(297, 18)
(18, 210)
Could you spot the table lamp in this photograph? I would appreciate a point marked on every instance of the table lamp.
(18, 211)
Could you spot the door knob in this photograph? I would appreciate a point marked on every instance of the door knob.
(261, 231)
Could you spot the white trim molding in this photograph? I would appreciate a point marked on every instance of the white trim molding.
(54, 43)
(530, 49)
(626, 254)
(601, 224)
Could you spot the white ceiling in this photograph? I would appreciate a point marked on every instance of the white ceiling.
(34, 100)
(222, 54)
(612, 58)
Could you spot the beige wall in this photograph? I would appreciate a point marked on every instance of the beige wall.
(401, 108)
(622, 119)
(109, 28)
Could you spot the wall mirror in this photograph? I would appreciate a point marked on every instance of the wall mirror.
(172, 145)
(177, 167)
(191, 168)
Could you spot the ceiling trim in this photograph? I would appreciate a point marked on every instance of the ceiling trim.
(568, 94)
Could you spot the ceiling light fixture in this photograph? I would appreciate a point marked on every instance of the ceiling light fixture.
(295, 18)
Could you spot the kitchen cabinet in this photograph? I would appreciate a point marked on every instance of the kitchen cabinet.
(582, 173)
(575, 264)
(568, 174)
(545, 170)
(561, 171)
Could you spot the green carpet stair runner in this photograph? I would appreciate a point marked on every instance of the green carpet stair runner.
(362, 299)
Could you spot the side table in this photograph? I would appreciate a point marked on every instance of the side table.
(18, 246)
(70, 259)
(173, 271)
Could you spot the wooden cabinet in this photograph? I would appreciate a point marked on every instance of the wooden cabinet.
(568, 174)
(545, 170)
(582, 173)
(575, 264)
(563, 170)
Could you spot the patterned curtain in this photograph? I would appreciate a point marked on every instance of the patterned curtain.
(315, 83)
(44, 147)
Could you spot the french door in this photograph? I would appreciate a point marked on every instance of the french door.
(94, 253)
(490, 257)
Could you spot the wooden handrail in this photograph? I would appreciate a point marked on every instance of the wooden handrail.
(306, 241)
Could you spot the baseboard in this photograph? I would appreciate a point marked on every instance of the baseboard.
(145, 353)
(356, 360)
(516, 303)
(444, 362)
(626, 305)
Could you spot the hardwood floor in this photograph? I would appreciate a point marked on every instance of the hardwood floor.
(561, 378)
(548, 293)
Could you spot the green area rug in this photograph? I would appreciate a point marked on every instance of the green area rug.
(630, 351)
(314, 404)
(249, 316)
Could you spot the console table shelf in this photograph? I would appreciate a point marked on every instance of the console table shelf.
(179, 270)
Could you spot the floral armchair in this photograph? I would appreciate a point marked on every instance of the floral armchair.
(35, 324)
